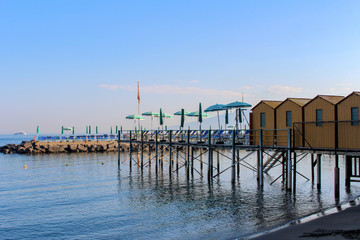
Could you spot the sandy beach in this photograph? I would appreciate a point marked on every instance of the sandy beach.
(344, 224)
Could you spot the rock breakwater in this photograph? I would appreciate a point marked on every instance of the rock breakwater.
(34, 147)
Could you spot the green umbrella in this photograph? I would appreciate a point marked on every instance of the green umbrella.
(62, 129)
(121, 129)
(37, 130)
(166, 115)
(238, 105)
(111, 130)
(73, 130)
(216, 108)
(178, 113)
(152, 114)
(116, 129)
(196, 114)
(161, 117)
(87, 129)
(134, 117)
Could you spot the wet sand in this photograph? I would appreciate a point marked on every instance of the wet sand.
(340, 225)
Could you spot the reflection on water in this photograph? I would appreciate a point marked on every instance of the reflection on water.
(89, 200)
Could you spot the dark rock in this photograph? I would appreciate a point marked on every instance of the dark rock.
(82, 148)
(6, 151)
(26, 144)
(21, 150)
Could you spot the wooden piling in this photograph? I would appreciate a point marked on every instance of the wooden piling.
(294, 172)
(130, 152)
(192, 162)
(187, 159)
(312, 169)
(238, 163)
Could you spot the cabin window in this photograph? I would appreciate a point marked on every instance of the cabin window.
(355, 116)
(262, 119)
(288, 118)
(318, 117)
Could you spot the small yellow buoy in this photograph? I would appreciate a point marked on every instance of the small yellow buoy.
(102, 163)
(67, 165)
(25, 166)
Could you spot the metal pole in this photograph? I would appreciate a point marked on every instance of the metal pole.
(170, 155)
(187, 155)
(218, 161)
(238, 163)
(130, 152)
(289, 163)
(337, 178)
(312, 169)
(118, 148)
(294, 173)
(318, 171)
(142, 149)
(156, 153)
(348, 171)
(192, 161)
(210, 162)
(233, 156)
(260, 162)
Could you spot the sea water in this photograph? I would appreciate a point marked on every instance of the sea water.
(86, 196)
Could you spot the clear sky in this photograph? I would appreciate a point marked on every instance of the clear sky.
(77, 63)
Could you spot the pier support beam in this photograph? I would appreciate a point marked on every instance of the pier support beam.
(156, 153)
(142, 150)
(289, 163)
(118, 148)
(312, 169)
(233, 156)
(187, 159)
(238, 163)
(260, 160)
(210, 158)
(192, 162)
(337, 178)
(318, 162)
(348, 171)
(294, 172)
(130, 152)
(170, 155)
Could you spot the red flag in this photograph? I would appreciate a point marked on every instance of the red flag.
(138, 96)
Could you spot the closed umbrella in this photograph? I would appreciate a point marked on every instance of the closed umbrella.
(182, 121)
(200, 116)
(216, 108)
(161, 117)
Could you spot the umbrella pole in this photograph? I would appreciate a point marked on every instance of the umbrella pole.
(218, 119)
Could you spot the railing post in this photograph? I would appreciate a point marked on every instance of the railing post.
(318, 171)
(337, 178)
(348, 171)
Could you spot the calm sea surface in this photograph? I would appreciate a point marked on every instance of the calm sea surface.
(91, 200)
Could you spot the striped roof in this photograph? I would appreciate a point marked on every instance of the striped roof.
(332, 99)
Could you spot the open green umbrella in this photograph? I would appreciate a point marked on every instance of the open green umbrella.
(167, 115)
(135, 117)
(238, 106)
(152, 115)
(196, 114)
(178, 113)
(216, 108)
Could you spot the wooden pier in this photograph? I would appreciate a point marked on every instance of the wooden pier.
(181, 149)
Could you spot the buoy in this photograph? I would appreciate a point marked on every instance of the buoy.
(67, 164)
(102, 163)
(25, 166)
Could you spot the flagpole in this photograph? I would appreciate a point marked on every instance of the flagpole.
(138, 96)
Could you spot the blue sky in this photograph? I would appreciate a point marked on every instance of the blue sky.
(76, 63)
